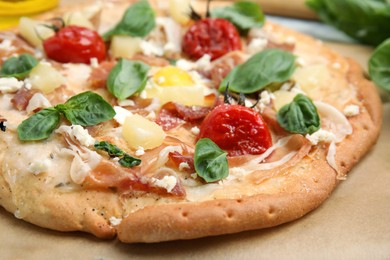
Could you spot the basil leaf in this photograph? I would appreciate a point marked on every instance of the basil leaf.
(300, 116)
(138, 21)
(244, 15)
(127, 78)
(129, 161)
(125, 160)
(40, 125)
(379, 65)
(210, 161)
(262, 69)
(18, 67)
(86, 109)
(367, 21)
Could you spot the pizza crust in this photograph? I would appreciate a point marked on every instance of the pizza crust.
(307, 184)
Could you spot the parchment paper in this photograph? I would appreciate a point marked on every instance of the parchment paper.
(354, 223)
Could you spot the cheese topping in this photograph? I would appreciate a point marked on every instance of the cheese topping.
(121, 114)
(39, 167)
(7, 45)
(37, 101)
(168, 182)
(10, 85)
(321, 136)
(351, 110)
(114, 221)
(79, 133)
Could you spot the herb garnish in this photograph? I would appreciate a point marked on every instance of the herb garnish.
(18, 67)
(244, 15)
(84, 109)
(210, 161)
(127, 78)
(138, 21)
(379, 65)
(300, 116)
(262, 69)
(113, 151)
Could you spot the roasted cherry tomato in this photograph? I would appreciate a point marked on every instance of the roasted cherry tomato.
(75, 44)
(213, 36)
(236, 129)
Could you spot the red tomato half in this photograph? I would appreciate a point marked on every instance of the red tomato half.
(213, 36)
(236, 129)
(75, 44)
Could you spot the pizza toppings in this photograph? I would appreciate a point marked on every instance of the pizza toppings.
(126, 78)
(75, 44)
(262, 69)
(3, 124)
(236, 129)
(84, 109)
(114, 151)
(213, 36)
(300, 116)
(210, 161)
(18, 67)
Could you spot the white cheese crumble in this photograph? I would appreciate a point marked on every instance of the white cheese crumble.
(121, 114)
(194, 175)
(168, 182)
(10, 85)
(151, 116)
(150, 48)
(183, 166)
(351, 110)
(94, 62)
(300, 61)
(290, 40)
(39, 167)
(7, 45)
(79, 133)
(140, 151)
(204, 62)
(114, 221)
(265, 99)
(195, 130)
(27, 83)
(321, 136)
(37, 101)
(257, 45)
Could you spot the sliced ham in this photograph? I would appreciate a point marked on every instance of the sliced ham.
(22, 98)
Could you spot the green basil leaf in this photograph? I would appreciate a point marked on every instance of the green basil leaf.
(40, 125)
(127, 78)
(379, 65)
(86, 109)
(138, 21)
(210, 161)
(18, 67)
(262, 69)
(300, 116)
(367, 21)
(125, 160)
(244, 15)
(129, 161)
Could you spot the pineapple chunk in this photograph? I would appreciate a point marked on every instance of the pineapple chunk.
(45, 77)
(311, 77)
(282, 97)
(180, 10)
(125, 46)
(33, 31)
(77, 18)
(140, 132)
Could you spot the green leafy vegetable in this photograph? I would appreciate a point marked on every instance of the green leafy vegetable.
(125, 160)
(262, 69)
(379, 65)
(210, 161)
(86, 109)
(138, 21)
(367, 21)
(127, 78)
(40, 125)
(300, 116)
(83, 109)
(244, 15)
(18, 67)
